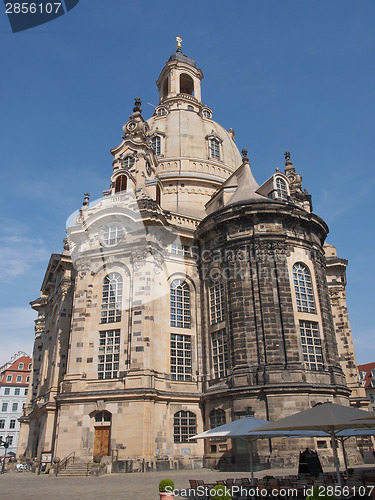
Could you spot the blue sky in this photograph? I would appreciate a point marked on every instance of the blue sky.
(291, 75)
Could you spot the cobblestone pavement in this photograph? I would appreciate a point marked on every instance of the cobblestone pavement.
(136, 486)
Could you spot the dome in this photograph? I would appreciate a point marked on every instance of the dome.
(195, 156)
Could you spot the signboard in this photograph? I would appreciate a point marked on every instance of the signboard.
(46, 457)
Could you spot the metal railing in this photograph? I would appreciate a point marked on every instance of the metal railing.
(65, 462)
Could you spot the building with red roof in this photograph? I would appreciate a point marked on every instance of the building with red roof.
(14, 382)
(367, 377)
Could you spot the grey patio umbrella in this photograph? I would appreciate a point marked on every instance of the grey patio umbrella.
(241, 429)
(342, 436)
(327, 417)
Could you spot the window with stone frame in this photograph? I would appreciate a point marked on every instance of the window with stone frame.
(217, 417)
(161, 111)
(112, 234)
(184, 427)
(4, 407)
(311, 345)
(183, 250)
(303, 288)
(12, 424)
(215, 148)
(112, 298)
(156, 144)
(281, 189)
(128, 162)
(2, 423)
(217, 305)
(181, 358)
(121, 183)
(180, 304)
(103, 416)
(109, 354)
(219, 353)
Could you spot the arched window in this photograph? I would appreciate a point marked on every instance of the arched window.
(112, 298)
(165, 87)
(215, 149)
(217, 311)
(281, 189)
(206, 113)
(303, 288)
(161, 112)
(184, 426)
(121, 183)
(190, 108)
(20, 366)
(217, 417)
(129, 162)
(180, 304)
(156, 144)
(103, 416)
(186, 84)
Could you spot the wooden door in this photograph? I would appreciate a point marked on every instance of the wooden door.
(101, 445)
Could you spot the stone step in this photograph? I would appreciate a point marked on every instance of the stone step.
(76, 469)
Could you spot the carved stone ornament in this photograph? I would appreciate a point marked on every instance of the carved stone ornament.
(138, 257)
(82, 266)
(131, 126)
(66, 286)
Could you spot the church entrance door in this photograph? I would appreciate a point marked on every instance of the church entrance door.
(101, 445)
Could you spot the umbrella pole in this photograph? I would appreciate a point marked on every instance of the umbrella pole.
(251, 461)
(335, 457)
(344, 455)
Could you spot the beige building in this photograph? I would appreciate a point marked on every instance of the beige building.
(186, 297)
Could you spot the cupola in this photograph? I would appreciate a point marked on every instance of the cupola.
(180, 78)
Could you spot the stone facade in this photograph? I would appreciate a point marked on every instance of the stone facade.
(174, 305)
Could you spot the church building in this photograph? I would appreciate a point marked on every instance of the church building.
(186, 297)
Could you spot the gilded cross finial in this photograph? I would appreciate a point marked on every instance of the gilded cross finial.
(287, 158)
(86, 200)
(178, 40)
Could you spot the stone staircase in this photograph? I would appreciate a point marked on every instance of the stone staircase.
(77, 469)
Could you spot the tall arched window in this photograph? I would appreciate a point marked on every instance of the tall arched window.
(216, 302)
(184, 426)
(303, 288)
(281, 189)
(217, 417)
(186, 84)
(121, 183)
(215, 149)
(180, 304)
(156, 144)
(112, 298)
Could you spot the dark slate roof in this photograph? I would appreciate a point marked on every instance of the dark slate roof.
(178, 56)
